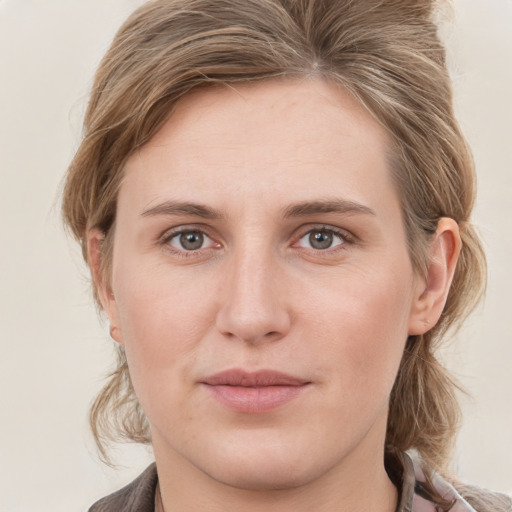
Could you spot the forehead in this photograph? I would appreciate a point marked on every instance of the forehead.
(270, 141)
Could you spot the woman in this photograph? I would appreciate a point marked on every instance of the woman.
(274, 200)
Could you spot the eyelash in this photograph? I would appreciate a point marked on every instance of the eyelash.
(168, 236)
(345, 237)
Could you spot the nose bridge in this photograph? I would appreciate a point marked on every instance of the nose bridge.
(253, 307)
(252, 266)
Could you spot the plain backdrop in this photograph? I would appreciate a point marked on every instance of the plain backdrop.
(54, 351)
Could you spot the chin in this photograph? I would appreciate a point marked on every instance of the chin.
(273, 468)
(267, 478)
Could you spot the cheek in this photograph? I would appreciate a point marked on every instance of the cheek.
(162, 320)
(362, 325)
(153, 298)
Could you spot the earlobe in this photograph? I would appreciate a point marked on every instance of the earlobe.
(430, 298)
(95, 255)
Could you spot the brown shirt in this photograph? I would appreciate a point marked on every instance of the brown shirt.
(404, 470)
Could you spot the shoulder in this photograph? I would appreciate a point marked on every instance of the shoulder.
(458, 497)
(484, 500)
(138, 496)
(423, 490)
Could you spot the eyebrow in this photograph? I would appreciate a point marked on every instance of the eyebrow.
(182, 208)
(306, 208)
(302, 209)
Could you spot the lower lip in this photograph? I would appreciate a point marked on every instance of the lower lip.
(255, 399)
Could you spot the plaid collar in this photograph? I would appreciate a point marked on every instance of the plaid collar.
(414, 494)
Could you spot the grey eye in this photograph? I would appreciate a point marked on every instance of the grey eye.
(321, 239)
(189, 240)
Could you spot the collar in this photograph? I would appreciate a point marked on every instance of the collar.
(415, 493)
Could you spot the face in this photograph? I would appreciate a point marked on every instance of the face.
(261, 284)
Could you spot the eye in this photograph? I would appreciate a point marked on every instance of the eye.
(191, 240)
(321, 239)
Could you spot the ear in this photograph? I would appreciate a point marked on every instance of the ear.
(95, 255)
(432, 291)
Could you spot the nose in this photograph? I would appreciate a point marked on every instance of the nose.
(253, 306)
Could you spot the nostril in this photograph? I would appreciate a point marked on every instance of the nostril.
(272, 336)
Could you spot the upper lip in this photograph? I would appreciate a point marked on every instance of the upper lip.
(261, 378)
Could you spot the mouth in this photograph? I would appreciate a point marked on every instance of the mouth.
(254, 392)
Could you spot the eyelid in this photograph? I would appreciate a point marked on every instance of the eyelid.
(184, 228)
(165, 238)
(177, 236)
(344, 234)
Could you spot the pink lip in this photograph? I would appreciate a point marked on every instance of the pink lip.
(254, 392)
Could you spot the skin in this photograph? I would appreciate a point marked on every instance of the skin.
(258, 295)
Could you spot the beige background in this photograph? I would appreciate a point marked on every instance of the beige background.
(53, 351)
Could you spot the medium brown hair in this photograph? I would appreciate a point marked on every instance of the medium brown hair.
(388, 54)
